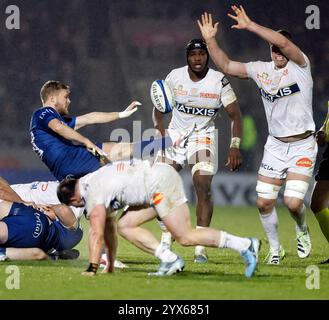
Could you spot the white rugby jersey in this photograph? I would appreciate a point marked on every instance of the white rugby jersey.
(286, 95)
(41, 192)
(197, 103)
(116, 185)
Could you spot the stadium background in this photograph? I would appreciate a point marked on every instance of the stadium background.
(109, 52)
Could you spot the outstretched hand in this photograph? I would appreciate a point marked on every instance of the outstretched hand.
(97, 152)
(207, 29)
(133, 107)
(243, 21)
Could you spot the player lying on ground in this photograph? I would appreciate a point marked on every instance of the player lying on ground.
(120, 184)
(44, 193)
(29, 234)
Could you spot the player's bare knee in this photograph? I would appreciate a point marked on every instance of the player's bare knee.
(184, 239)
(294, 195)
(265, 205)
(267, 194)
(294, 205)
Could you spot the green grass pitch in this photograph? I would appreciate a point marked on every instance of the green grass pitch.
(221, 278)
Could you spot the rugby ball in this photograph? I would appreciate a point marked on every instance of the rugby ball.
(162, 97)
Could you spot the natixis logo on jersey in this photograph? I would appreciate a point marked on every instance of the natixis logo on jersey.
(196, 111)
(283, 92)
(38, 225)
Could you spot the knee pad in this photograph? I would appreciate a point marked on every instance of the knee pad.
(267, 190)
(204, 166)
(296, 189)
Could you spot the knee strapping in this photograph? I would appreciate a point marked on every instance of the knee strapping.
(204, 166)
(296, 189)
(267, 190)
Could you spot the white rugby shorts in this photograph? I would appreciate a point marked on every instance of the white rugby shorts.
(198, 141)
(280, 157)
(165, 189)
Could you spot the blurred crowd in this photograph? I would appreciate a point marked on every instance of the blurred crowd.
(144, 41)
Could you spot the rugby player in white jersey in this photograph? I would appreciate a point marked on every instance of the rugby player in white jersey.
(45, 193)
(289, 157)
(199, 93)
(160, 186)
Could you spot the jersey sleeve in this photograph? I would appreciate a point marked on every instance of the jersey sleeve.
(252, 70)
(227, 95)
(44, 117)
(70, 121)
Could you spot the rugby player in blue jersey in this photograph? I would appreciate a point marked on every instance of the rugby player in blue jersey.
(53, 134)
(29, 234)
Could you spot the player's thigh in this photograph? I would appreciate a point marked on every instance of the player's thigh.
(117, 150)
(134, 218)
(178, 221)
(320, 196)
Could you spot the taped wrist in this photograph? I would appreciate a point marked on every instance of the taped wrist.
(235, 142)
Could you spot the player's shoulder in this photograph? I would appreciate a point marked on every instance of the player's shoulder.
(43, 111)
(217, 76)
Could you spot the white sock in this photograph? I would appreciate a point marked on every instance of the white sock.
(300, 219)
(166, 238)
(199, 249)
(162, 226)
(233, 242)
(164, 254)
(270, 224)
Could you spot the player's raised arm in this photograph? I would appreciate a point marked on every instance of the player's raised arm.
(220, 58)
(288, 48)
(105, 117)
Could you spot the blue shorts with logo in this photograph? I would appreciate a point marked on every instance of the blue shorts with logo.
(27, 227)
(76, 161)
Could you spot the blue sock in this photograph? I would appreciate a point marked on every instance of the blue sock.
(145, 148)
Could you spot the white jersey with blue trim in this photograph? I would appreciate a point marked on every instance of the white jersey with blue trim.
(286, 95)
(197, 103)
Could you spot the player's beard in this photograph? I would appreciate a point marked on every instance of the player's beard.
(62, 109)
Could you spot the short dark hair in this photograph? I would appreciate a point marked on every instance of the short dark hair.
(50, 87)
(66, 189)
